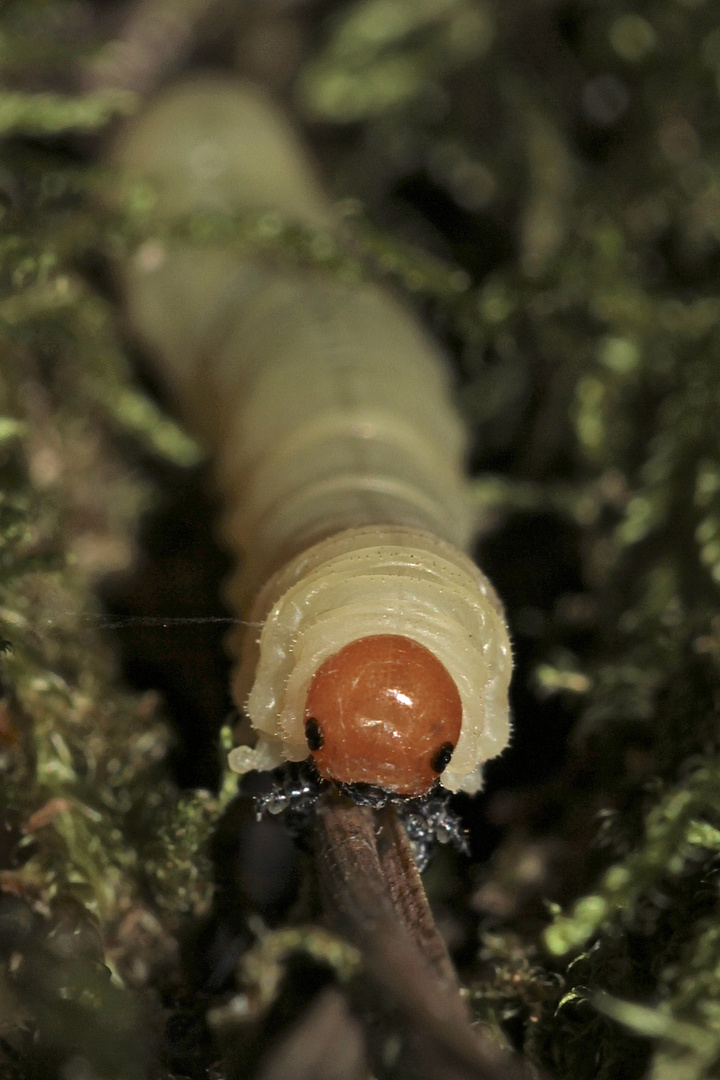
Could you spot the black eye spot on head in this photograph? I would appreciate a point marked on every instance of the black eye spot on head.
(441, 760)
(314, 735)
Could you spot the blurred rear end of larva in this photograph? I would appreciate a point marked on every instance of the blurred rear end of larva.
(328, 412)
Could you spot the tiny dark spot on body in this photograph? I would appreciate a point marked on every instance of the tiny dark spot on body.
(441, 760)
(313, 734)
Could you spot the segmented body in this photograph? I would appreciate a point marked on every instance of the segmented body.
(336, 445)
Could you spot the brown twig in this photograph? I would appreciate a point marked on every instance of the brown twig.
(373, 894)
(326, 1045)
(408, 898)
(156, 36)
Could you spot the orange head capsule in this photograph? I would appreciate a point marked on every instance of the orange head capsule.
(384, 711)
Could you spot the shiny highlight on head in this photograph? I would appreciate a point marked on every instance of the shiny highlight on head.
(383, 710)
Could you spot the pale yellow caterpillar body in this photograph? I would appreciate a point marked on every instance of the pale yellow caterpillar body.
(340, 455)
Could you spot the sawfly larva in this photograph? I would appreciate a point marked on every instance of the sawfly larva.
(383, 651)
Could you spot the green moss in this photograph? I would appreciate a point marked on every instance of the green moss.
(382, 55)
(53, 114)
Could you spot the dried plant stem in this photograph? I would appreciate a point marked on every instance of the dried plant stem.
(326, 1045)
(407, 895)
(373, 893)
(156, 36)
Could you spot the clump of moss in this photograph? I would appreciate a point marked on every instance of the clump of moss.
(86, 857)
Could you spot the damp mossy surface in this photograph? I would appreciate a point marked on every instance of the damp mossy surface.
(543, 183)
